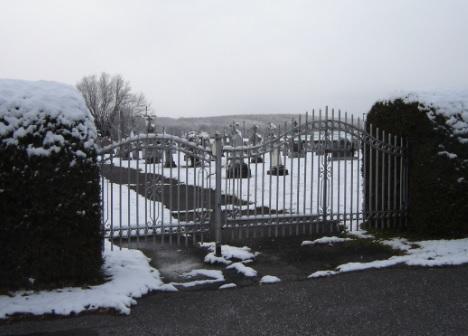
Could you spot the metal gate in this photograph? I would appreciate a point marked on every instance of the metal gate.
(319, 173)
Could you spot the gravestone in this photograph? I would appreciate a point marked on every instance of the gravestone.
(152, 154)
(277, 166)
(237, 167)
(255, 140)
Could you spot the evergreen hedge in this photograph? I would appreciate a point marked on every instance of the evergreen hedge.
(437, 184)
(50, 208)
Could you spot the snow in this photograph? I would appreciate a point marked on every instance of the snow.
(228, 285)
(241, 268)
(360, 234)
(451, 104)
(214, 275)
(125, 213)
(447, 154)
(325, 240)
(321, 274)
(429, 253)
(401, 244)
(228, 252)
(211, 258)
(269, 279)
(130, 277)
(26, 106)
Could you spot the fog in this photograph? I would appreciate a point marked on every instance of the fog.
(210, 57)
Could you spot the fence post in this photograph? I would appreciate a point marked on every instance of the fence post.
(325, 168)
(218, 224)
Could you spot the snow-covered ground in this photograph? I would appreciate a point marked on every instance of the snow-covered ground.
(422, 253)
(148, 215)
(129, 277)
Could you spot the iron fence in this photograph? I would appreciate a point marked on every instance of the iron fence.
(325, 171)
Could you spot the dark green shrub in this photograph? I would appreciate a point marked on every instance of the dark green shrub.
(49, 195)
(437, 184)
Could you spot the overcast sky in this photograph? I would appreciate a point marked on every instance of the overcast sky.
(212, 57)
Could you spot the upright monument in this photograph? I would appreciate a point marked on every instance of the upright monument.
(237, 167)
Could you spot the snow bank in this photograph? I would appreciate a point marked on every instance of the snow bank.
(130, 277)
(453, 105)
(228, 285)
(428, 253)
(26, 109)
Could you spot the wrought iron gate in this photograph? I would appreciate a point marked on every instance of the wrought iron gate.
(322, 172)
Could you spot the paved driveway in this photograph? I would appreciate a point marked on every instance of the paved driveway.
(400, 301)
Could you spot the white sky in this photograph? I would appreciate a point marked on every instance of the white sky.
(212, 57)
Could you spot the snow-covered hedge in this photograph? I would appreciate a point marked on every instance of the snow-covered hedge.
(49, 186)
(436, 126)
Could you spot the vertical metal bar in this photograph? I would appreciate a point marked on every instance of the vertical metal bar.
(120, 197)
(332, 165)
(137, 194)
(217, 225)
(370, 212)
(321, 153)
(298, 189)
(305, 149)
(389, 181)
(188, 223)
(283, 147)
(395, 170)
(346, 170)
(325, 167)
(351, 197)
(178, 193)
(359, 164)
(112, 204)
(339, 154)
(145, 190)
(129, 209)
(377, 170)
(383, 182)
(313, 149)
(169, 160)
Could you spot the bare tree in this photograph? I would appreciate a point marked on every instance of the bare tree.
(112, 103)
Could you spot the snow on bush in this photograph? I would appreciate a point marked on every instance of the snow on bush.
(452, 105)
(129, 277)
(28, 108)
(49, 187)
(434, 127)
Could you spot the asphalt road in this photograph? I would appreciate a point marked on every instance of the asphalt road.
(400, 301)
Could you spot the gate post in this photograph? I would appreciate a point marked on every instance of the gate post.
(325, 174)
(217, 225)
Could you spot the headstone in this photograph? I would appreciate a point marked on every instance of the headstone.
(151, 154)
(237, 167)
(277, 166)
(168, 159)
(255, 140)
